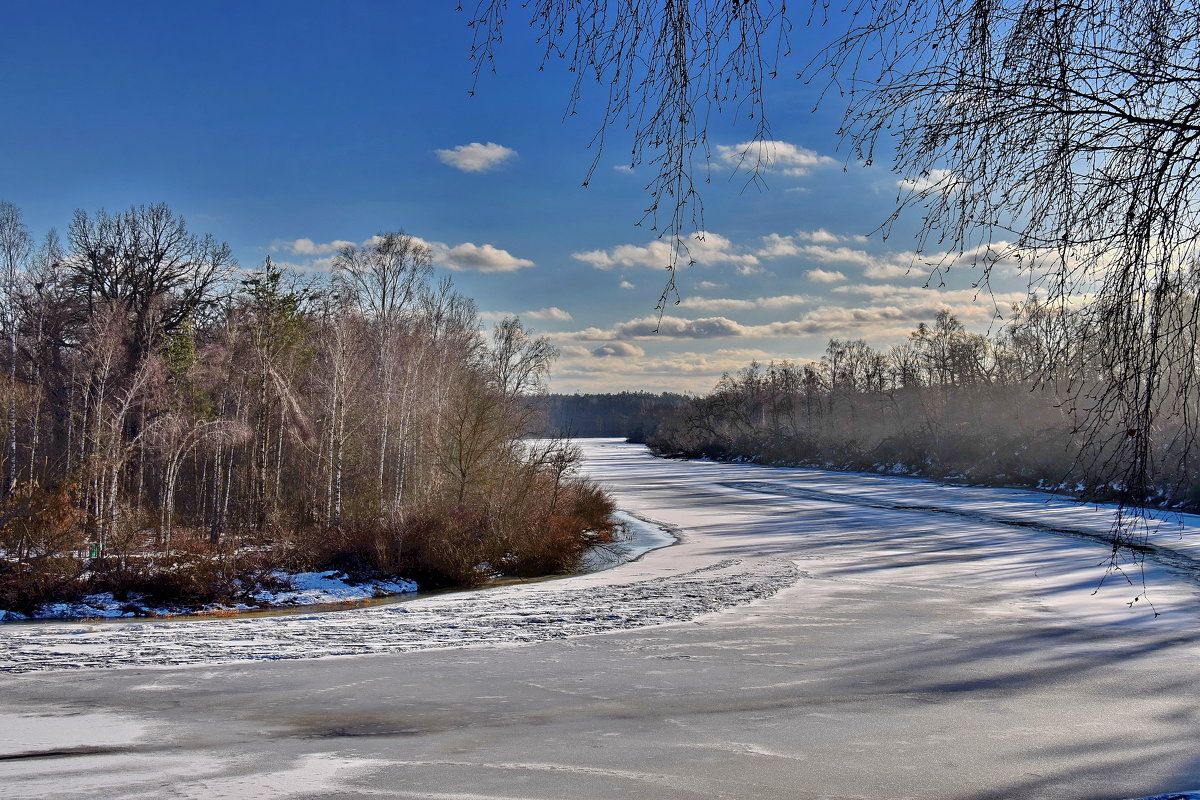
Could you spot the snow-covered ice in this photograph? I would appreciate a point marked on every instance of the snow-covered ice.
(812, 635)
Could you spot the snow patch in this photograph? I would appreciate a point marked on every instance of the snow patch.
(312, 588)
(96, 606)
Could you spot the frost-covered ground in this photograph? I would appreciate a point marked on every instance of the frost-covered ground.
(813, 635)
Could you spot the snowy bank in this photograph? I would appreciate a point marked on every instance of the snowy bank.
(314, 588)
(331, 587)
(292, 589)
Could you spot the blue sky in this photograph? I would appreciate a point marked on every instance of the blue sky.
(284, 127)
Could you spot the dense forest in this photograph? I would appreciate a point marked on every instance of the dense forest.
(178, 427)
(1027, 406)
(631, 415)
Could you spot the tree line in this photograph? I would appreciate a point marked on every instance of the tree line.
(629, 415)
(1029, 405)
(179, 427)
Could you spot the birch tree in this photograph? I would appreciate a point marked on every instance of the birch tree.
(386, 278)
(16, 248)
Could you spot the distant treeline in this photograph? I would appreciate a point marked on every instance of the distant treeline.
(1028, 406)
(175, 426)
(631, 415)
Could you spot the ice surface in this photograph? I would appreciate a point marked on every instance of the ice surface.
(640, 537)
(812, 635)
(29, 733)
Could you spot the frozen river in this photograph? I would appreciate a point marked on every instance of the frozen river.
(813, 635)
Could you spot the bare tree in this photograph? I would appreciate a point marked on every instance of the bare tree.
(145, 261)
(520, 363)
(386, 278)
(663, 67)
(474, 430)
(16, 248)
(1063, 135)
(386, 275)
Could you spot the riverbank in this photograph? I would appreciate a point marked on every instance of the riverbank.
(332, 590)
(290, 590)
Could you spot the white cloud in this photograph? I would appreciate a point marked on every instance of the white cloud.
(825, 276)
(709, 248)
(824, 249)
(890, 320)
(883, 271)
(820, 246)
(998, 257)
(783, 301)
(942, 181)
(626, 285)
(618, 350)
(839, 255)
(669, 327)
(465, 257)
(678, 328)
(580, 370)
(992, 255)
(767, 155)
(776, 246)
(832, 319)
(716, 304)
(893, 319)
(469, 257)
(476, 157)
(307, 247)
(551, 313)
(734, 304)
(704, 248)
(820, 236)
(655, 255)
(929, 294)
(623, 168)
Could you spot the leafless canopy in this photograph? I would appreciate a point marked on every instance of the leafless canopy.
(145, 260)
(1063, 134)
(663, 67)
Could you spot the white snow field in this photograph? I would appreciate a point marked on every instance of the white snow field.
(812, 635)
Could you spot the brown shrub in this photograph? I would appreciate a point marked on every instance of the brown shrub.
(449, 548)
(42, 541)
(194, 571)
